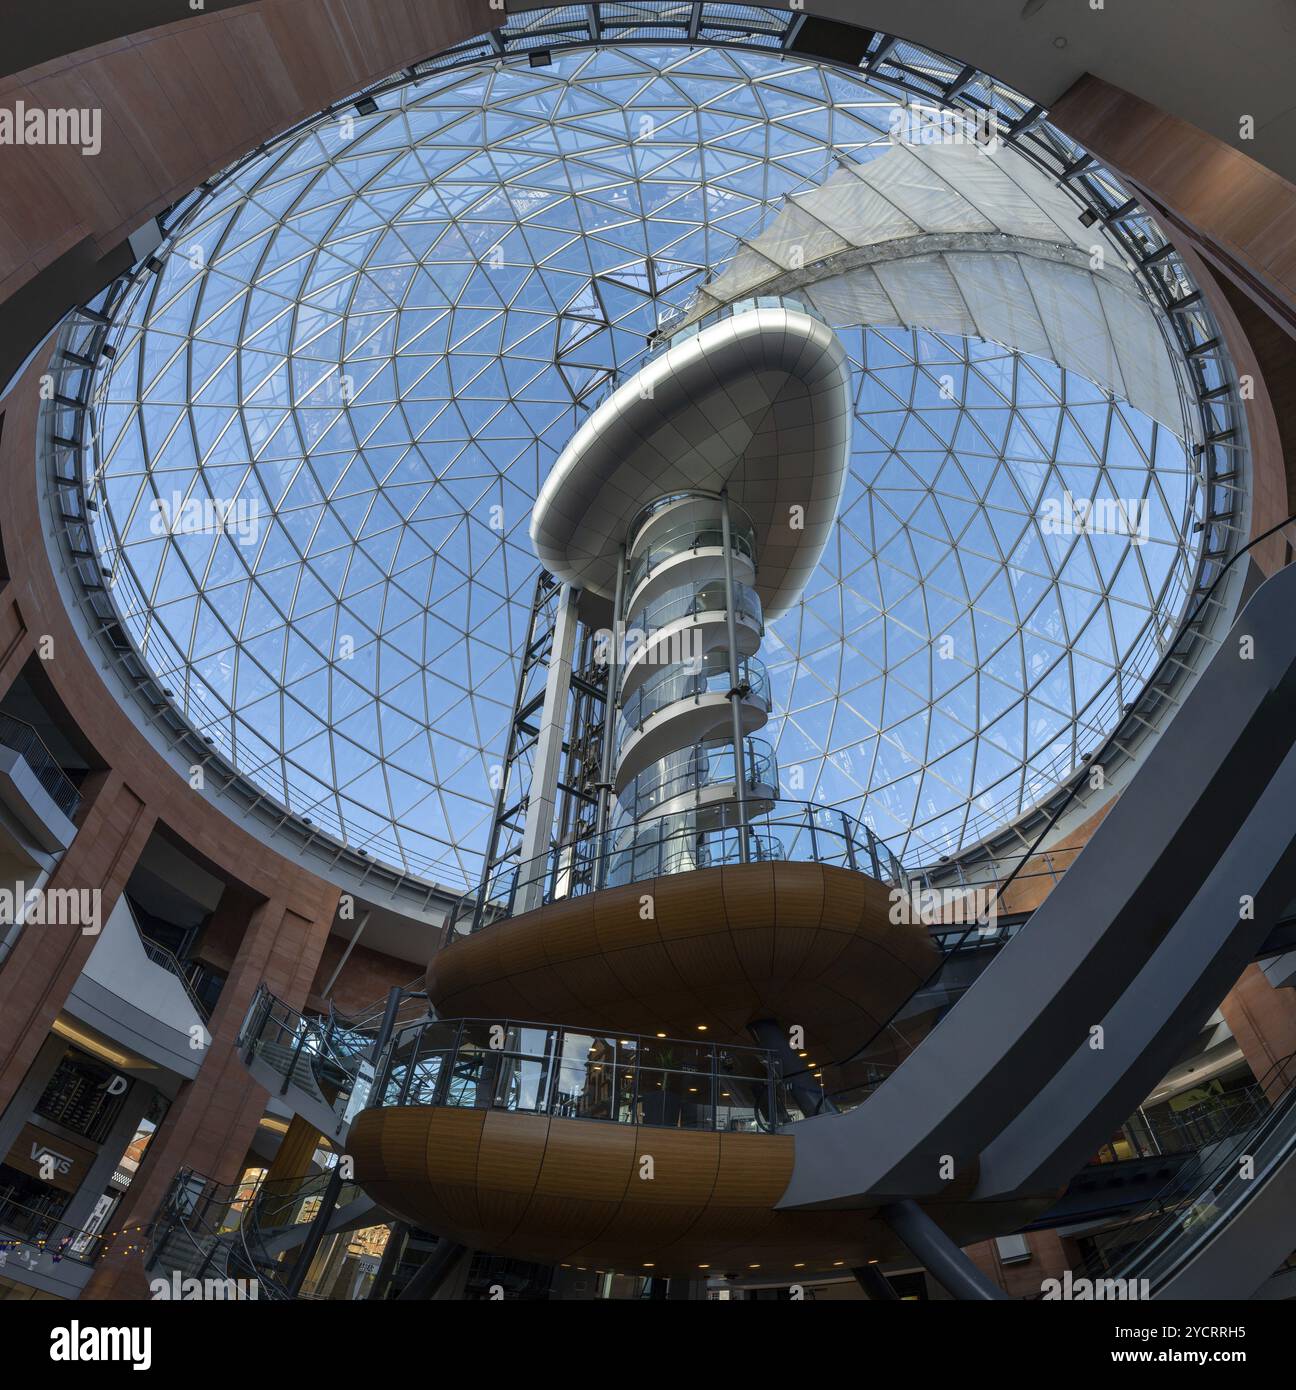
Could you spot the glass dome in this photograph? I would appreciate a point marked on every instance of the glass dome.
(331, 407)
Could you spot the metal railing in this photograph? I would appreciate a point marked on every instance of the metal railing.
(32, 1232)
(678, 842)
(229, 1231)
(692, 601)
(674, 684)
(583, 1073)
(1171, 1227)
(169, 962)
(21, 738)
(335, 1050)
(289, 1041)
(662, 340)
(693, 771)
(685, 536)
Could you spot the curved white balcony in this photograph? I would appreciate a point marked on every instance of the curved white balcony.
(697, 778)
(678, 707)
(686, 626)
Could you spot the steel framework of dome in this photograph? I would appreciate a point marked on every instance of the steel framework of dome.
(331, 408)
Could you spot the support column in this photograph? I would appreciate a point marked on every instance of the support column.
(16, 642)
(46, 959)
(434, 1272)
(29, 1091)
(542, 796)
(315, 1236)
(1263, 1021)
(938, 1254)
(807, 1094)
(397, 1235)
(610, 706)
(877, 1287)
(296, 1150)
(211, 1124)
(78, 1210)
(735, 699)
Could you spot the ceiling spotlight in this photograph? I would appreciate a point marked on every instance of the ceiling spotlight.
(1088, 217)
(540, 58)
(366, 106)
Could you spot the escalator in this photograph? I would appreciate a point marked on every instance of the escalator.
(1016, 1056)
(1225, 1222)
(1075, 1020)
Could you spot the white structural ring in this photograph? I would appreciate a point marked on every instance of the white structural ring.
(758, 404)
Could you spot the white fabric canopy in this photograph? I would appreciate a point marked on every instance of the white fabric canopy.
(955, 239)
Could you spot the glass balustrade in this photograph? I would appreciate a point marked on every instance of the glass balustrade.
(679, 538)
(583, 1074)
(704, 836)
(673, 684)
(692, 601)
(692, 771)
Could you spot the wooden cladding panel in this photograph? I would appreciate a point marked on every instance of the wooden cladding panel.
(578, 1191)
(801, 943)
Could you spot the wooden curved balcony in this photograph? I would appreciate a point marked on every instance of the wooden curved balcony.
(699, 954)
(562, 1191)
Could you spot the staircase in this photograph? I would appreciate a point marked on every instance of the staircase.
(295, 1067)
(211, 1231)
(319, 1064)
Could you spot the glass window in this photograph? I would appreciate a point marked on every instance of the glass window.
(356, 346)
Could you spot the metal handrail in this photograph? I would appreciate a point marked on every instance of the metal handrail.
(709, 763)
(691, 601)
(676, 842)
(673, 685)
(688, 535)
(169, 962)
(58, 1248)
(21, 738)
(1214, 1168)
(1000, 885)
(200, 1208)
